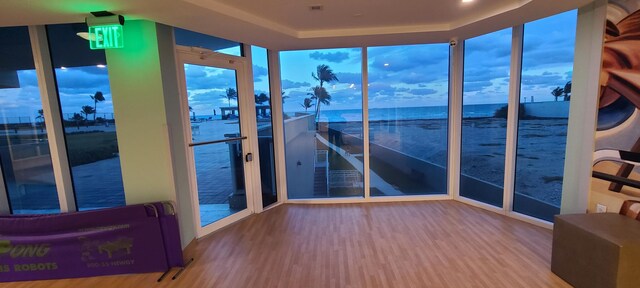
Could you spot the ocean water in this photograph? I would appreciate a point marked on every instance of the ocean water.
(408, 113)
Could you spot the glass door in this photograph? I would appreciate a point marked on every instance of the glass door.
(220, 137)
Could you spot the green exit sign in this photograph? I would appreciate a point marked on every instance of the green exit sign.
(106, 37)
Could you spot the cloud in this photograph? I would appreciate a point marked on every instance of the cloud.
(542, 80)
(409, 57)
(335, 57)
(550, 41)
(419, 77)
(381, 88)
(476, 86)
(200, 77)
(479, 74)
(423, 91)
(80, 80)
(288, 84)
(259, 71)
(549, 57)
(27, 78)
(195, 71)
(410, 65)
(568, 75)
(349, 78)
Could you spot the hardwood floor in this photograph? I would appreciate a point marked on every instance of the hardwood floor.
(409, 244)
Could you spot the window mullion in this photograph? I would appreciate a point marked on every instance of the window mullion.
(51, 107)
(4, 199)
(512, 117)
(365, 123)
(456, 72)
(273, 61)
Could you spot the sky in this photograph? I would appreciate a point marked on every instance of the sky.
(399, 76)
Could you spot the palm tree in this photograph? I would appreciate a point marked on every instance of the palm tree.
(322, 97)
(323, 74)
(308, 103)
(98, 97)
(284, 97)
(261, 98)
(40, 118)
(230, 94)
(567, 91)
(557, 92)
(77, 118)
(193, 112)
(86, 110)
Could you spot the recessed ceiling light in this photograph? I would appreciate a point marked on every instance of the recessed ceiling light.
(467, 1)
(63, 68)
(386, 64)
(101, 66)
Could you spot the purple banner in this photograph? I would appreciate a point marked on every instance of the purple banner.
(91, 243)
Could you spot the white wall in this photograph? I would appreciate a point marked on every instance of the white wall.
(146, 104)
(300, 141)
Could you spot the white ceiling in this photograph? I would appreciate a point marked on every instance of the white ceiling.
(290, 24)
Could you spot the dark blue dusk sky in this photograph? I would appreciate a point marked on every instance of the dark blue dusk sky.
(399, 76)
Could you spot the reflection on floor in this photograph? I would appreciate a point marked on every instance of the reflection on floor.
(210, 213)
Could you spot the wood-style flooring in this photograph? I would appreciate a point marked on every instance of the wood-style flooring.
(408, 244)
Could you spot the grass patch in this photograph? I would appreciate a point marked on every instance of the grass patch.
(90, 147)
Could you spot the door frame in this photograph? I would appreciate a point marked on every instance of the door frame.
(248, 128)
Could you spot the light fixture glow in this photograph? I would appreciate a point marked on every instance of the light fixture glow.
(63, 68)
(467, 1)
(386, 64)
(101, 66)
(87, 36)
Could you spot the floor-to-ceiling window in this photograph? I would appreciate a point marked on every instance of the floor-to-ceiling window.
(25, 159)
(408, 116)
(265, 125)
(88, 118)
(547, 66)
(322, 104)
(484, 116)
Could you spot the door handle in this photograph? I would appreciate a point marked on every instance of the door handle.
(248, 157)
(218, 141)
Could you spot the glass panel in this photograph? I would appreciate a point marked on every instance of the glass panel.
(408, 111)
(547, 66)
(265, 131)
(484, 116)
(24, 147)
(323, 122)
(219, 167)
(87, 112)
(195, 39)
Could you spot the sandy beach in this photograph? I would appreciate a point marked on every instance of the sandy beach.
(541, 149)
